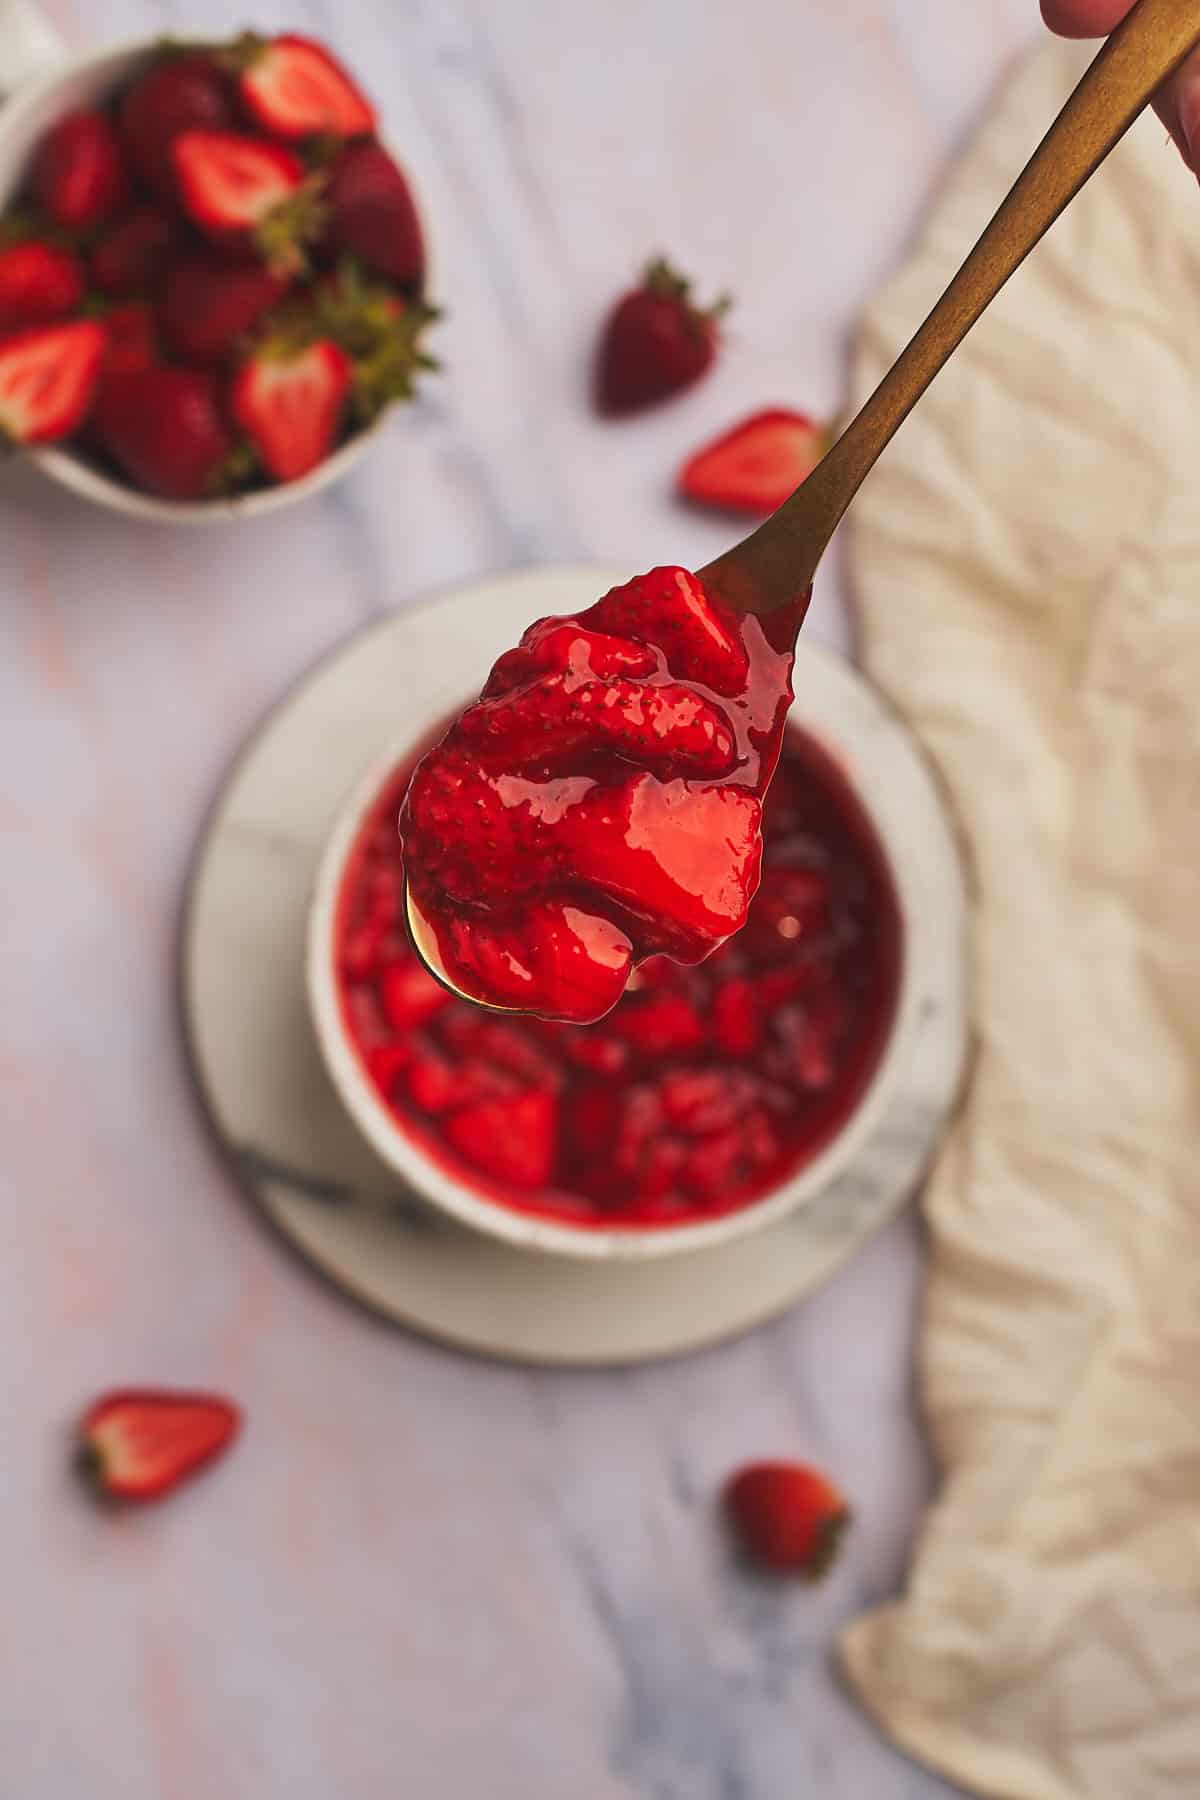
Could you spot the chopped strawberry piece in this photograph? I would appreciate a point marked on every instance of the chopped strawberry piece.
(362, 949)
(513, 1140)
(787, 1516)
(669, 607)
(703, 1100)
(137, 1445)
(432, 1082)
(665, 725)
(409, 994)
(295, 88)
(660, 1027)
(386, 1062)
(756, 466)
(655, 343)
(596, 1051)
(291, 406)
(736, 1020)
(78, 173)
(39, 282)
(48, 378)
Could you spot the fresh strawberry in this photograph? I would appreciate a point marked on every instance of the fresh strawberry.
(132, 344)
(291, 405)
(372, 215)
(78, 173)
(787, 1516)
(38, 283)
(187, 92)
(137, 1445)
(133, 251)
(164, 429)
(244, 190)
(48, 378)
(511, 1139)
(656, 343)
(132, 347)
(754, 467)
(210, 301)
(294, 88)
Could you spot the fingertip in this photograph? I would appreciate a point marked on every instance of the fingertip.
(1084, 18)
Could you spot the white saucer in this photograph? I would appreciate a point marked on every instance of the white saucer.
(305, 1164)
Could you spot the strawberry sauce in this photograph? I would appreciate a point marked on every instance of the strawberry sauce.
(708, 1083)
(601, 802)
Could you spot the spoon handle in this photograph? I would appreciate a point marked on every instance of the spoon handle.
(778, 561)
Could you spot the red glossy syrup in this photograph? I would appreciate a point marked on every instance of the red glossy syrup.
(705, 1085)
(602, 801)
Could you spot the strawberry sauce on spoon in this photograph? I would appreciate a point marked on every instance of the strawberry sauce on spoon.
(602, 801)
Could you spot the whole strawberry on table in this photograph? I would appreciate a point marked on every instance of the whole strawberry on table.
(215, 277)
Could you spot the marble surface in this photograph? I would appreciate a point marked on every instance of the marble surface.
(418, 1573)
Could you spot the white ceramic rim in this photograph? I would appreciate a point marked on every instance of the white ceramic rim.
(95, 72)
(442, 1189)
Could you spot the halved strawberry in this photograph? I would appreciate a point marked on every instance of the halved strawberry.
(372, 215)
(246, 190)
(295, 88)
(139, 1444)
(209, 301)
(512, 1139)
(39, 282)
(134, 250)
(78, 173)
(754, 467)
(656, 342)
(291, 405)
(48, 378)
(787, 1516)
(177, 93)
(165, 430)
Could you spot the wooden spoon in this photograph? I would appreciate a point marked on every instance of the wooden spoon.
(767, 571)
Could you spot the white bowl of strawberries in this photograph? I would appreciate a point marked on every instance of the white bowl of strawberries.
(212, 276)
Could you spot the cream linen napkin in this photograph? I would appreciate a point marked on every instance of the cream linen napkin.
(1027, 560)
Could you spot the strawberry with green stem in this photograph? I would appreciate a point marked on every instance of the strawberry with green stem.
(656, 342)
(787, 1516)
(246, 192)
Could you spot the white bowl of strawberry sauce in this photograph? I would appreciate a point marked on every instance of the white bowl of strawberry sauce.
(48, 84)
(712, 1100)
